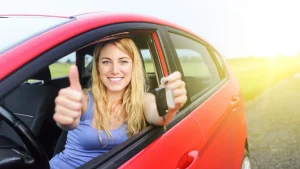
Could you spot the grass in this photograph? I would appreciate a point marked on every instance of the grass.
(59, 69)
(258, 74)
(254, 74)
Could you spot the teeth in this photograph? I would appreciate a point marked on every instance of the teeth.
(115, 78)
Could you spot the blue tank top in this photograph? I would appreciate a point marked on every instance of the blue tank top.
(83, 143)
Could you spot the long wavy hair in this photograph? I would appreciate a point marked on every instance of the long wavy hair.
(133, 96)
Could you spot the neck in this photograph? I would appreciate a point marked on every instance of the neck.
(114, 96)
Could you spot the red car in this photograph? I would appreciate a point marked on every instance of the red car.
(210, 131)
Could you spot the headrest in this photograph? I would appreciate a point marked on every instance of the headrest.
(43, 74)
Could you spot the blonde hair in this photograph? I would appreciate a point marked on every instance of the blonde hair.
(132, 100)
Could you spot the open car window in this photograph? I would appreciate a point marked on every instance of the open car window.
(200, 71)
(60, 68)
(141, 40)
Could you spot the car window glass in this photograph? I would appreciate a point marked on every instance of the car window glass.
(200, 72)
(61, 67)
(13, 35)
(147, 57)
(148, 61)
(87, 60)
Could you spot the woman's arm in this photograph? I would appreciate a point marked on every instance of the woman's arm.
(174, 82)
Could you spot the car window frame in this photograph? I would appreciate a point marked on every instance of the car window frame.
(222, 71)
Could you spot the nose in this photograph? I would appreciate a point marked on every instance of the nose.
(115, 68)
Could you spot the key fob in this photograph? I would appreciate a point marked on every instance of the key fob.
(170, 98)
(161, 100)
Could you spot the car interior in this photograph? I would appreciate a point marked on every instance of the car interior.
(33, 103)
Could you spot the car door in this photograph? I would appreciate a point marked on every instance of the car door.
(216, 100)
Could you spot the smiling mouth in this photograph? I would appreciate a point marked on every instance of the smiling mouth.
(115, 79)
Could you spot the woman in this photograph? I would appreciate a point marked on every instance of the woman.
(114, 109)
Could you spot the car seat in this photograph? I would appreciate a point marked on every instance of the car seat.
(33, 103)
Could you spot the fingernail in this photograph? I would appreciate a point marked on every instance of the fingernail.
(163, 81)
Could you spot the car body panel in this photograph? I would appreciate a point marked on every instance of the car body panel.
(223, 128)
(167, 151)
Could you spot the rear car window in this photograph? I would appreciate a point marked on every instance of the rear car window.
(199, 69)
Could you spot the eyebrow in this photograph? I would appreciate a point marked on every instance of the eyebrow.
(124, 58)
(105, 58)
(119, 58)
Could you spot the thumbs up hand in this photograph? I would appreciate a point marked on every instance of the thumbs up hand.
(69, 102)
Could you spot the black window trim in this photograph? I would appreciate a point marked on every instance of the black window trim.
(222, 72)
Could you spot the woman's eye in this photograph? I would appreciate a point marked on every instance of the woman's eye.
(105, 62)
(124, 61)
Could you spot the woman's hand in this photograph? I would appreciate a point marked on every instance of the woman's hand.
(68, 103)
(174, 82)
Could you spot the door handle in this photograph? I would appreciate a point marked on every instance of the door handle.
(189, 160)
(235, 102)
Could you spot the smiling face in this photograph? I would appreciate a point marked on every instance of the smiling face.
(115, 68)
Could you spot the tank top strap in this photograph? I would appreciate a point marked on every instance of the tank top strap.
(88, 114)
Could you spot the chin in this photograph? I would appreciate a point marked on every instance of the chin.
(116, 89)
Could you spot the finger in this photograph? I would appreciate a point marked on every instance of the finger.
(74, 78)
(179, 92)
(176, 84)
(180, 100)
(63, 119)
(172, 77)
(71, 94)
(67, 112)
(68, 103)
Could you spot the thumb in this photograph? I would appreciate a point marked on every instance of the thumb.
(74, 78)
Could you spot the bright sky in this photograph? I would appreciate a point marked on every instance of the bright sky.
(236, 28)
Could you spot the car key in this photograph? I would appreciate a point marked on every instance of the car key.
(169, 94)
(164, 99)
(161, 101)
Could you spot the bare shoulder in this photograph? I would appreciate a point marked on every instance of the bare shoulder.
(148, 96)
